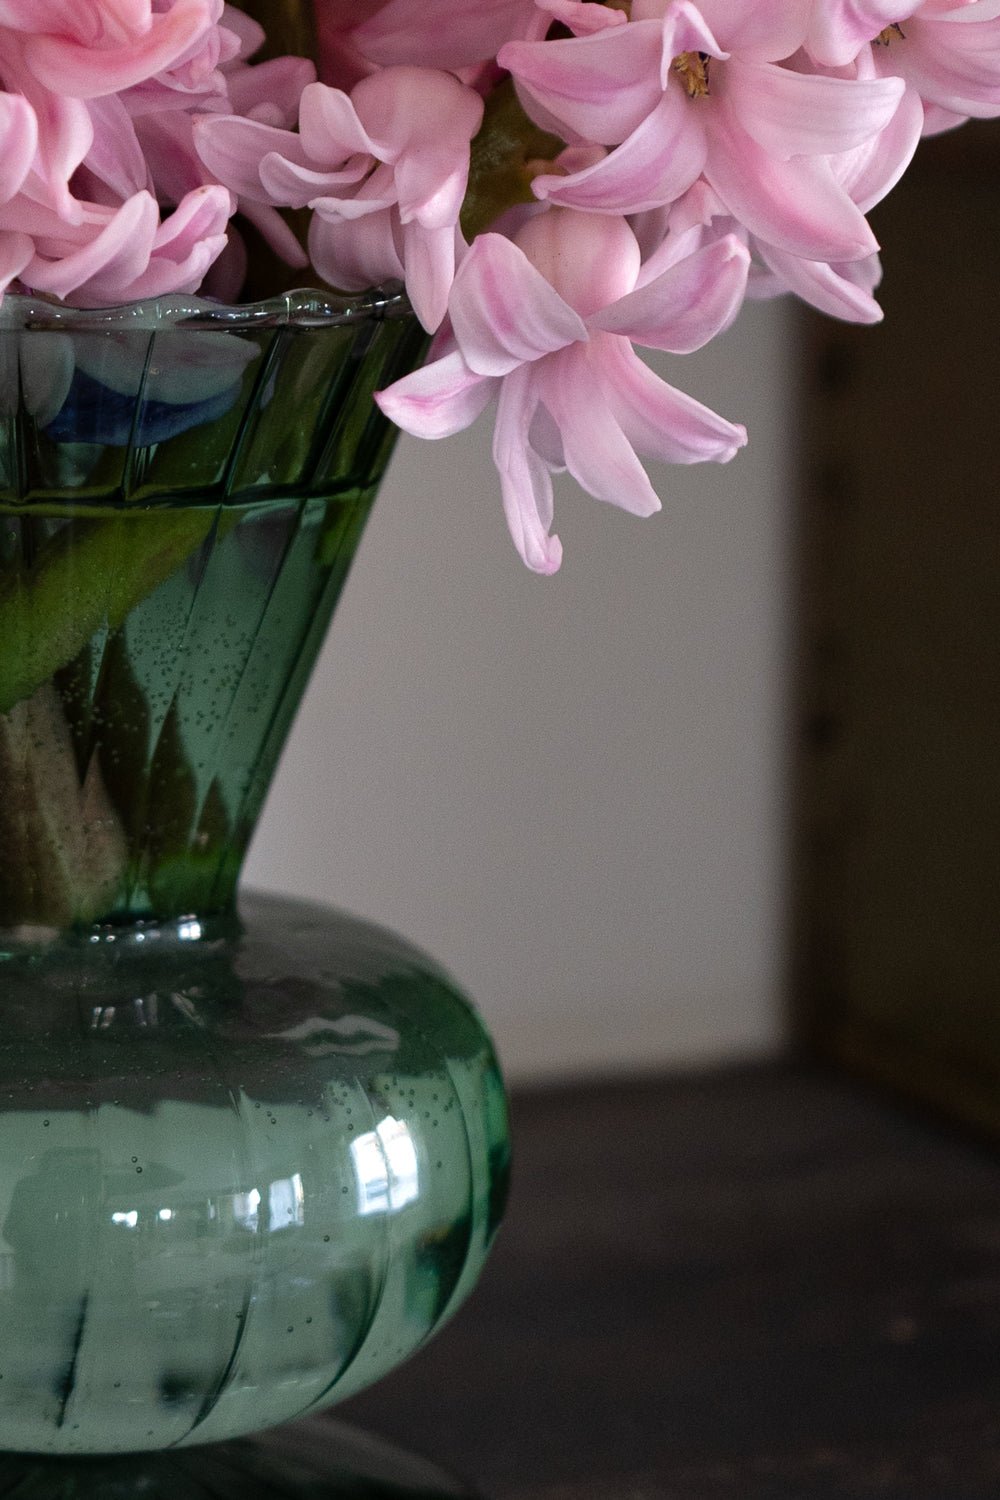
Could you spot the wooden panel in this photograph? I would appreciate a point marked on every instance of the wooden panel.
(898, 863)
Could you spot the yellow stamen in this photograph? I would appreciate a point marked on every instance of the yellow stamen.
(886, 35)
(692, 69)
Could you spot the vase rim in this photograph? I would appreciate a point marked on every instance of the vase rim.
(302, 308)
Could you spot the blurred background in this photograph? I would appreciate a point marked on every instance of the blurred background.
(723, 791)
(570, 790)
(728, 779)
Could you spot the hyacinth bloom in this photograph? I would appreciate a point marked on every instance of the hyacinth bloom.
(685, 91)
(90, 48)
(703, 150)
(545, 323)
(841, 289)
(946, 51)
(384, 170)
(79, 210)
(458, 34)
(124, 253)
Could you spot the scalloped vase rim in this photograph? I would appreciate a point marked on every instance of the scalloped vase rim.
(302, 308)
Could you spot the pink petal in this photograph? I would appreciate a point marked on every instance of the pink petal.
(65, 135)
(582, 17)
(431, 186)
(503, 310)
(79, 19)
(18, 142)
(759, 30)
(423, 121)
(233, 149)
(163, 276)
(16, 250)
(598, 453)
(118, 253)
(274, 231)
(358, 254)
(376, 193)
(655, 164)
(525, 480)
(438, 400)
(875, 168)
(839, 291)
(590, 259)
(688, 304)
(330, 128)
(82, 71)
(201, 214)
(798, 114)
(953, 59)
(685, 29)
(249, 33)
(659, 420)
(429, 259)
(292, 185)
(116, 157)
(278, 83)
(441, 33)
(938, 119)
(601, 87)
(840, 29)
(798, 205)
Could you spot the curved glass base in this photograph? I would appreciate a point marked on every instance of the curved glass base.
(245, 1169)
(316, 1460)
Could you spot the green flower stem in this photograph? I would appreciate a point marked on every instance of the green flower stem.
(85, 578)
(500, 173)
(62, 848)
(63, 844)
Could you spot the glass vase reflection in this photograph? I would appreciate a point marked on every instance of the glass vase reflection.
(247, 1163)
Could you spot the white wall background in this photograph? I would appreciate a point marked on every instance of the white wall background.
(569, 790)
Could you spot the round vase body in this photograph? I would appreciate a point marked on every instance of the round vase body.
(244, 1170)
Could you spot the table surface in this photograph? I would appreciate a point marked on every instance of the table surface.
(754, 1283)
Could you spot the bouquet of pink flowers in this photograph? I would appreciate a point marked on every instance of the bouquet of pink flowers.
(555, 181)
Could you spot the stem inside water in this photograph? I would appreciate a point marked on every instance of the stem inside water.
(62, 847)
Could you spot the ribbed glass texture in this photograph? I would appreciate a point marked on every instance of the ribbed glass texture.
(247, 1163)
(242, 1173)
(182, 490)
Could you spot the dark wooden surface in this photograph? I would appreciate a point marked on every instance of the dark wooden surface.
(756, 1283)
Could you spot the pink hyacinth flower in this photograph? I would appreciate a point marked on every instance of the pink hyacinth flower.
(100, 47)
(689, 90)
(546, 325)
(841, 289)
(124, 253)
(384, 170)
(266, 92)
(839, 29)
(946, 51)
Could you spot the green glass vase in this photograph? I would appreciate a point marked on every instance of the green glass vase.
(250, 1157)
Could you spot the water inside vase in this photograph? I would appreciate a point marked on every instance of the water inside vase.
(153, 662)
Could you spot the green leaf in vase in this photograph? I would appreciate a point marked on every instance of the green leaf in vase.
(82, 578)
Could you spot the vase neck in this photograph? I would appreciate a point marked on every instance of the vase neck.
(181, 501)
(133, 776)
